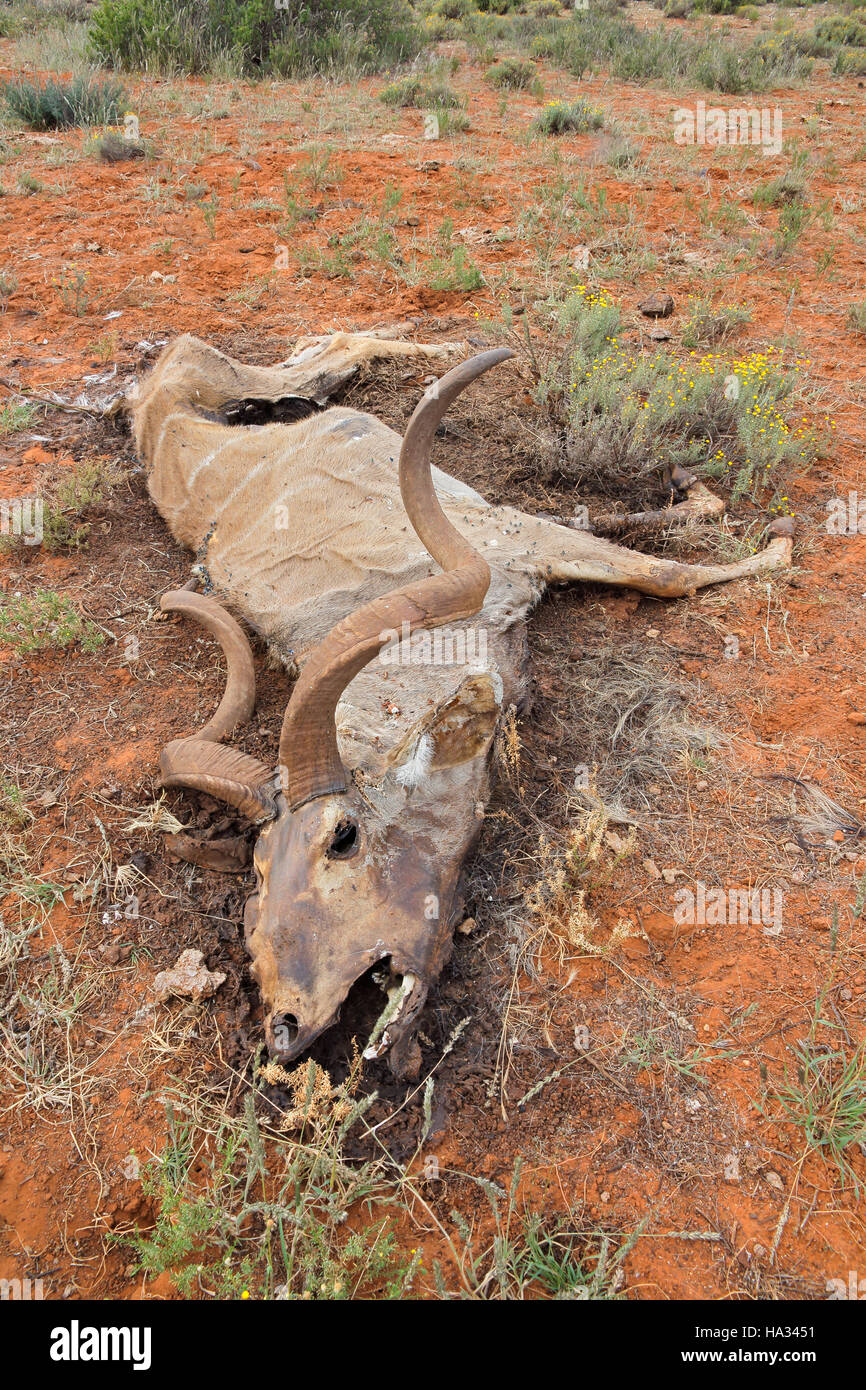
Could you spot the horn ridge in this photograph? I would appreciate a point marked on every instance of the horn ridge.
(310, 762)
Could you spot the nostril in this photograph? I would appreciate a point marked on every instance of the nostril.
(284, 1031)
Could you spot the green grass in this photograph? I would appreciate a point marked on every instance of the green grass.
(16, 416)
(825, 1097)
(59, 106)
(43, 621)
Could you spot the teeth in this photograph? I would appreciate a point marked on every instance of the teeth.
(380, 1038)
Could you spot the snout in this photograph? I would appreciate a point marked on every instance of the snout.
(398, 1001)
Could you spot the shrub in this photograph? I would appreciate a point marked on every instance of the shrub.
(707, 326)
(513, 74)
(57, 106)
(252, 36)
(624, 415)
(413, 91)
(559, 116)
(46, 619)
(857, 317)
(453, 9)
(789, 187)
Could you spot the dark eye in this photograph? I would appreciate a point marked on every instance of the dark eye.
(344, 841)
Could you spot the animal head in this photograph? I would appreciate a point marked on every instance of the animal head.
(349, 877)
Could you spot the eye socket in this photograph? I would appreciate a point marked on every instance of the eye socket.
(344, 840)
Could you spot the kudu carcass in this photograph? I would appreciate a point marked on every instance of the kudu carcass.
(339, 544)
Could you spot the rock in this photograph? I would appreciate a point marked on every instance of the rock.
(651, 868)
(660, 335)
(658, 306)
(466, 927)
(774, 1180)
(857, 717)
(189, 978)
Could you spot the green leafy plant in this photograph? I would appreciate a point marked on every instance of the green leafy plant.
(71, 285)
(45, 620)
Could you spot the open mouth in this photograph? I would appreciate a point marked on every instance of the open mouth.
(370, 1019)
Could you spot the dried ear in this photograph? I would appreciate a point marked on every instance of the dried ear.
(456, 731)
(223, 772)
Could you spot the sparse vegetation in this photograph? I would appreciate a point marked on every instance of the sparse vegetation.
(8, 287)
(414, 91)
(598, 42)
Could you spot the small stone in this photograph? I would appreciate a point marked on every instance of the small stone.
(189, 978)
(605, 1197)
(652, 632)
(466, 927)
(774, 1180)
(701, 785)
(670, 875)
(658, 306)
(660, 335)
(651, 868)
(857, 717)
(846, 994)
